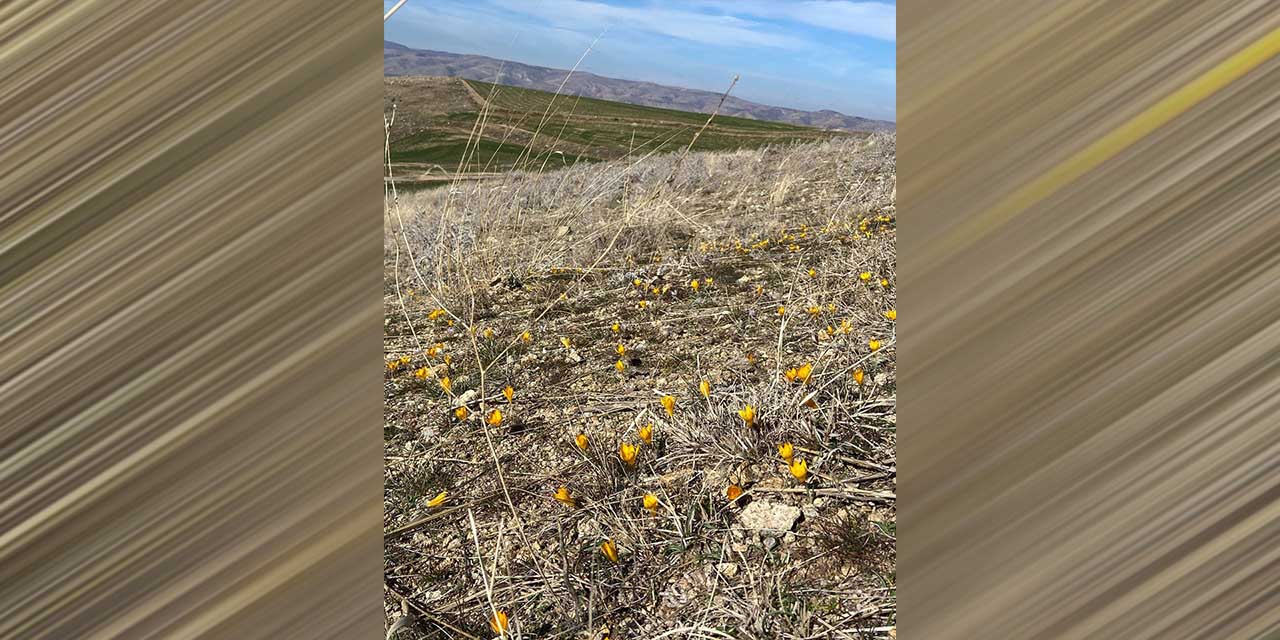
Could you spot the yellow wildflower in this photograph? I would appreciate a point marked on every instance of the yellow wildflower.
(646, 433)
(488, 333)
(581, 440)
(874, 344)
(422, 373)
(800, 470)
(438, 500)
(509, 393)
(565, 342)
(627, 452)
(884, 283)
(858, 376)
(619, 365)
(446, 384)
(610, 550)
(621, 349)
(786, 451)
(617, 328)
(495, 418)
(733, 492)
(748, 415)
(865, 276)
(526, 337)
(499, 622)
(669, 403)
(704, 388)
(782, 310)
(694, 284)
(562, 494)
(461, 412)
(812, 273)
(891, 314)
(651, 502)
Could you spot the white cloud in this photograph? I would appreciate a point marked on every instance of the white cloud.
(720, 30)
(871, 19)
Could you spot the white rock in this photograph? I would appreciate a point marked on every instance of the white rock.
(465, 398)
(769, 516)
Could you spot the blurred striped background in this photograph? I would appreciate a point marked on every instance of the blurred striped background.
(1090, 296)
(190, 305)
(190, 279)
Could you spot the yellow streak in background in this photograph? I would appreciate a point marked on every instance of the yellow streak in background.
(1114, 142)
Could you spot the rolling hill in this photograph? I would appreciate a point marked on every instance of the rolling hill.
(444, 126)
(399, 60)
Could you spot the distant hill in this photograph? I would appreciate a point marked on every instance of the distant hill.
(399, 60)
(446, 125)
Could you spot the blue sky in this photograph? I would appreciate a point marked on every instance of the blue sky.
(803, 54)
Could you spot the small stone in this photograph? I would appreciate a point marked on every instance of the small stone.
(465, 398)
(769, 516)
(727, 569)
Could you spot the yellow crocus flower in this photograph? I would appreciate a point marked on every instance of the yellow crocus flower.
(800, 470)
(562, 495)
(627, 452)
(610, 550)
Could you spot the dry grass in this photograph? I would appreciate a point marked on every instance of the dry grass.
(559, 255)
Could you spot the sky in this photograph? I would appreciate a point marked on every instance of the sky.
(802, 54)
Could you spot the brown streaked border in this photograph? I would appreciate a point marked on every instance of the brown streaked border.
(190, 336)
(1090, 259)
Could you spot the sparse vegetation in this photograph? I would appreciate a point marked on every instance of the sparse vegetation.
(648, 398)
(437, 135)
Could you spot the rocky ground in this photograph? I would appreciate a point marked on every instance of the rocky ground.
(705, 310)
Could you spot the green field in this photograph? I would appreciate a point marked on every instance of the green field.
(529, 129)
